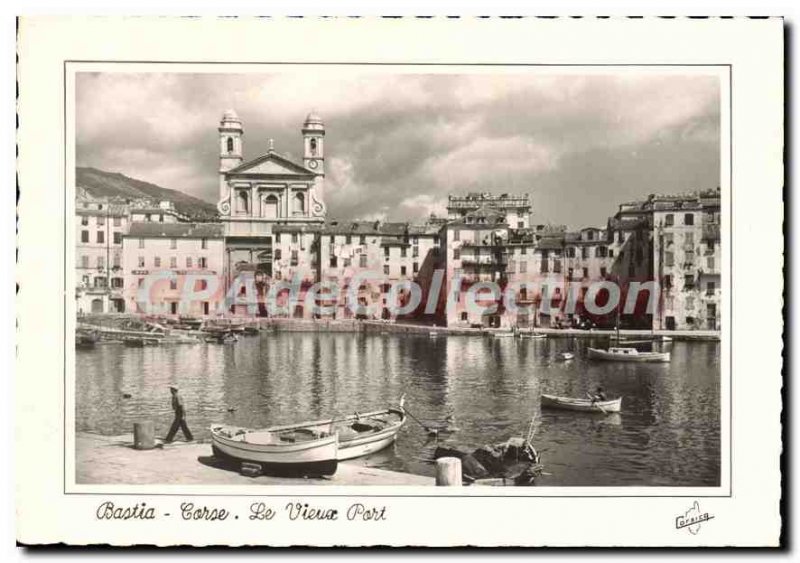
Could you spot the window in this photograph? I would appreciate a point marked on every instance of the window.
(299, 204)
(690, 303)
(202, 262)
(84, 236)
(603, 272)
(332, 239)
(556, 266)
(101, 221)
(362, 239)
(101, 237)
(456, 234)
(386, 252)
(84, 220)
(116, 283)
(620, 237)
(117, 260)
(601, 252)
(101, 262)
(610, 252)
(84, 261)
(312, 145)
(688, 281)
(523, 267)
(710, 287)
(544, 269)
(688, 219)
(590, 235)
(584, 253)
(523, 251)
(295, 238)
(201, 285)
(117, 238)
(570, 252)
(347, 262)
(586, 272)
(668, 239)
(141, 261)
(402, 270)
(269, 207)
(140, 282)
(173, 284)
(386, 269)
(243, 202)
(173, 262)
(669, 219)
(333, 261)
(348, 239)
(204, 243)
(688, 239)
(188, 261)
(570, 272)
(456, 254)
(362, 261)
(141, 243)
(415, 267)
(669, 259)
(278, 238)
(710, 262)
(403, 252)
(173, 243)
(229, 144)
(520, 224)
(117, 221)
(157, 261)
(294, 258)
(415, 252)
(278, 254)
(667, 282)
(464, 315)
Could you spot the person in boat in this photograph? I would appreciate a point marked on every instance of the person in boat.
(180, 417)
(599, 395)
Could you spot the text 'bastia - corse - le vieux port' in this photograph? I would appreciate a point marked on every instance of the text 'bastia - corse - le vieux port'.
(261, 340)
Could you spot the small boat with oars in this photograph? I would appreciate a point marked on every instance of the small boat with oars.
(582, 405)
(565, 356)
(361, 434)
(623, 354)
(289, 450)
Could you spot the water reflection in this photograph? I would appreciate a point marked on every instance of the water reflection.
(489, 389)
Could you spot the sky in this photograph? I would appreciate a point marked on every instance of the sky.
(398, 142)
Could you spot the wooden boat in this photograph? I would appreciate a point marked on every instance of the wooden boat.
(85, 340)
(503, 334)
(290, 450)
(565, 356)
(583, 405)
(536, 335)
(360, 434)
(620, 354)
(140, 342)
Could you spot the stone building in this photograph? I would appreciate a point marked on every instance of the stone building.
(174, 268)
(100, 224)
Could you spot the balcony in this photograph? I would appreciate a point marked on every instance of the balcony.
(711, 232)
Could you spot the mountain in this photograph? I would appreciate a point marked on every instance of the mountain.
(112, 184)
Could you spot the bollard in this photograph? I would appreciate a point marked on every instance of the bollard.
(144, 435)
(448, 472)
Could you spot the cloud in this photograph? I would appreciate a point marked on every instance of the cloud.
(397, 142)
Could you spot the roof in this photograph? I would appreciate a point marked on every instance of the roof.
(297, 228)
(175, 230)
(284, 161)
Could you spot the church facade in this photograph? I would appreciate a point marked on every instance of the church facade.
(271, 207)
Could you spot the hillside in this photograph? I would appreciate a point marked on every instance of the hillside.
(112, 184)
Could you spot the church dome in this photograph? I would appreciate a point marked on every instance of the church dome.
(313, 118)
(230, 115)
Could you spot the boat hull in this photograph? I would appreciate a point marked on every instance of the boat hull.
(597, 354)
(313, 457)
(581, 405)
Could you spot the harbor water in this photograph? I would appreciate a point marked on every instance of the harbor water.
(482, 389)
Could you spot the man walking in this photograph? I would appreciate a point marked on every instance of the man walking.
(180, 417)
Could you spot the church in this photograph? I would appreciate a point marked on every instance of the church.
(271, 207)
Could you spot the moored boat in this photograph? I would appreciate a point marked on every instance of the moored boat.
(503, 334)
(565, 356)
(360, 434)
(621, 354)
(582, 405)
(288, 451)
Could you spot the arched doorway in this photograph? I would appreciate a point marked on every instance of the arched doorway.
(97, 305)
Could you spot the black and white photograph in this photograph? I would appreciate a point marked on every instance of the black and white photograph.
(315, 282)
(498, 278)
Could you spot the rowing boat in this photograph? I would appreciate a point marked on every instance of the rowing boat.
(361, 434)
(620, 354)
(289, 451)
(583, 405)
(565, 356)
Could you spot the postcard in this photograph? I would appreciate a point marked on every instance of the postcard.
(399, 282)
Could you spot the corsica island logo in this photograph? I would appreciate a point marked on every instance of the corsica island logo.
(692, 518)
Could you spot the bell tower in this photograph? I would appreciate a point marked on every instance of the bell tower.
(230, 141)
(314, 144)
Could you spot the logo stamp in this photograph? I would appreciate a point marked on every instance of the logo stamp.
(692, 519)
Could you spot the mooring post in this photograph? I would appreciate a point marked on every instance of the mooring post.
(144, 435)
(448, 472)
